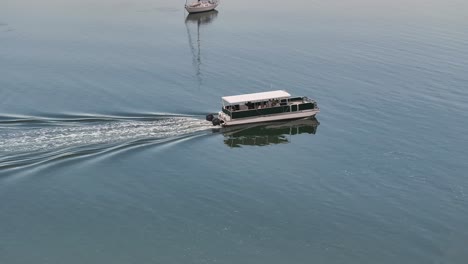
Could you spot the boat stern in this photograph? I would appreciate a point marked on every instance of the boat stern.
(219, 119)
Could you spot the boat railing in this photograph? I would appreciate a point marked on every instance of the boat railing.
(266, 105)
(278, 109)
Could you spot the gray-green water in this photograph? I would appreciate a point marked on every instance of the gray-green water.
(105, 156)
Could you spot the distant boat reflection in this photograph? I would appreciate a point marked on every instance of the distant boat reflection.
(199, 19)
(264, 134)
(202, 18)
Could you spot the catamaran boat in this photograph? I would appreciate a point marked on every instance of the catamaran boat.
(201, 6)
(262, 107)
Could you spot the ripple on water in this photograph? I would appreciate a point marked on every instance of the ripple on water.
(30, 145)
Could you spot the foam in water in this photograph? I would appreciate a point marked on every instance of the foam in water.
(59, 137)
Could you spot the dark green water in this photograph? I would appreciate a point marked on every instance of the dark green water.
(105, 156)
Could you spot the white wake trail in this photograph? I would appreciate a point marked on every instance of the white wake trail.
(51, 138)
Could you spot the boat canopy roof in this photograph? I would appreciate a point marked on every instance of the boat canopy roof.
(255, 97)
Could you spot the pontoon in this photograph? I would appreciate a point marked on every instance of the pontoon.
(263, 107)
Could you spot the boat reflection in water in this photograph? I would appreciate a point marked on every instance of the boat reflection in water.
(263, 134)
(198, 19)
(202, 18)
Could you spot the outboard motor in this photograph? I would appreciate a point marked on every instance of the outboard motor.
(216, 121)
(209, 117)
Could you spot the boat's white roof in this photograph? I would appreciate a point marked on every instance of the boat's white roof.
(235, 99)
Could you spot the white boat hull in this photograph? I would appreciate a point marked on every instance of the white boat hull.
(267, 118)
(203, 7)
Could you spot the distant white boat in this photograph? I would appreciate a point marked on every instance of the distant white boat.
(201, 6)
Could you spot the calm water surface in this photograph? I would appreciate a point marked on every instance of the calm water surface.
(105, 156)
